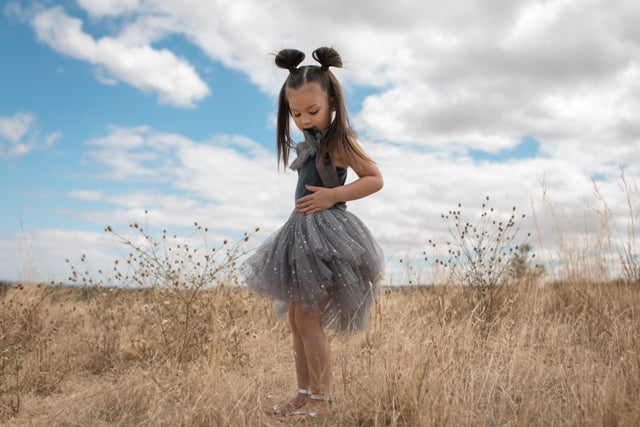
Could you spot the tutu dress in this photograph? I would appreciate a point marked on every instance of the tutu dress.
(325, 257)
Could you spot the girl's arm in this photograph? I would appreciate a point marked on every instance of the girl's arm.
(369, 181)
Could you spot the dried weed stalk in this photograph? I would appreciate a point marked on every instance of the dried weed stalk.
(483, 257)
(182, 296)
(485, 253)
(626, 246)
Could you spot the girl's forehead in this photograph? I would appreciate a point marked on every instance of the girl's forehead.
(307, 89)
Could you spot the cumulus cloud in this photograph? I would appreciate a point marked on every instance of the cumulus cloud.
(173, 79)
(480, 75)
(229, 182)
(551, 69)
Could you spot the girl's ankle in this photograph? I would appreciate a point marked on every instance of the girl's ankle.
(322, 398)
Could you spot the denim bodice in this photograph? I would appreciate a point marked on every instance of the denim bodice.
(305, 164)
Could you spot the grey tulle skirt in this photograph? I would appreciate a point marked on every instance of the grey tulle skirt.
(329, 257)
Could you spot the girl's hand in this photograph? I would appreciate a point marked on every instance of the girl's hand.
(321, 199)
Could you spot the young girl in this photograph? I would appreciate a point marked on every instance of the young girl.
(322, 267)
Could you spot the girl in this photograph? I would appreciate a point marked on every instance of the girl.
(322, 267)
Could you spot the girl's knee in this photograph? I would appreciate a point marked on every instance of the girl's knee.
(306, 322)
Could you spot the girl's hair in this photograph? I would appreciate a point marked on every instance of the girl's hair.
(340, 140)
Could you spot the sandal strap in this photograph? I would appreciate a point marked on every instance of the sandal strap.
(304, 391)
(303, 414)
(329, 397)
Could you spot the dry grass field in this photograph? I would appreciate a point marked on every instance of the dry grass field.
(171, 338)
(556, 354)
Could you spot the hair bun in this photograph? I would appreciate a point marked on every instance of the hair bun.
(327, 57)
(289, 59)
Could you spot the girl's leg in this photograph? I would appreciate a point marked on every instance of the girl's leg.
(317, 350)
(302, 369)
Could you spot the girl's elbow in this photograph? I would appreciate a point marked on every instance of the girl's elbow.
(379, 183)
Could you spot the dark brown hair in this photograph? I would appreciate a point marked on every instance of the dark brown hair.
(341, 139)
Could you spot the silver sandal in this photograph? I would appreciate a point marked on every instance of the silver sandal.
(275, 410)
(328, 398)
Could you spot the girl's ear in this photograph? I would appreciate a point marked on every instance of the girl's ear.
(332, 104)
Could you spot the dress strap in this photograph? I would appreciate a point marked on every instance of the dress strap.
(327, 171)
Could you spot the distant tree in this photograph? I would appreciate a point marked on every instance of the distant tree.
(522, 265)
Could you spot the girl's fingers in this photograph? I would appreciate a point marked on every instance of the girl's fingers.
(315, 202)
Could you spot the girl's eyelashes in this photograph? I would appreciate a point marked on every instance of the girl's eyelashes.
(313, 113)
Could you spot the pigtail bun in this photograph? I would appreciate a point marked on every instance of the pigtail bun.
(327, 57)
(289, 59)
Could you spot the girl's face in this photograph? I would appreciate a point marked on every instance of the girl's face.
(310, 107)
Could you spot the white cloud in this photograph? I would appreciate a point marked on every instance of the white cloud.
(51, 139)
(15, 127)
(87, 195)
(36, 255)
(22, 134)
(151, 70)
(229, 182)
(108, 7)
(477, 74)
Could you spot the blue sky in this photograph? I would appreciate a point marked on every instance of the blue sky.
(109, 108)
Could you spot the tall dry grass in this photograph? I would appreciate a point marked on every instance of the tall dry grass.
(563, 354)
(187, 346)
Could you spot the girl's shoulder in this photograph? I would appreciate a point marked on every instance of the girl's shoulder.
(350, 154)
